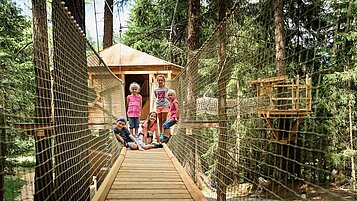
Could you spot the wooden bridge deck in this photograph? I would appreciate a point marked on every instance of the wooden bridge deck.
(148, 175)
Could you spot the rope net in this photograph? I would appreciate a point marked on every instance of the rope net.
(56, 122)
(267, 105)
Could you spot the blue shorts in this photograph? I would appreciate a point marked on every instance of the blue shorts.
(134, 122)
(169, 123)
(141, 143)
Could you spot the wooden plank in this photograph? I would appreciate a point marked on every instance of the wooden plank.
(145, 165)
(149, 183)
(150, 171)
(171, 176)
(192, 188)
(148, 191)
(157, 199)
(139, 161)
(146, 160)
(148, 179)
(109, 179)
(148, 196)
(141, 186)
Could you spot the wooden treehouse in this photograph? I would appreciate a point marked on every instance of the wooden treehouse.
(131, 65)
(285, 100)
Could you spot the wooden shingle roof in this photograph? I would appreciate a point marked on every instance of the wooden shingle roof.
(122, 55)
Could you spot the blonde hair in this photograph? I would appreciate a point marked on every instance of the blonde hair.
(161, 76)
(171, 91)
(134, 85)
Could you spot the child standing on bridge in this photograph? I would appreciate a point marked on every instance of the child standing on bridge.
(162, 104)
(174, 115)
(135, 102)
(123, 135)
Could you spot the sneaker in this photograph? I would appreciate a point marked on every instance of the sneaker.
(163, 138)
(157, 145)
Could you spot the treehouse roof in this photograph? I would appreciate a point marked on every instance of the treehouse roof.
(125, 56)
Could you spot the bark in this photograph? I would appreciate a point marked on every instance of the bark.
(77, 9)
(193, 44)
(43, 170)
(222, 110)
(108, 24)
(279, 37)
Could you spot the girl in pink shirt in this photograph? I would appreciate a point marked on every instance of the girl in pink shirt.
(134, 108)
(149, 128)
(175, 114)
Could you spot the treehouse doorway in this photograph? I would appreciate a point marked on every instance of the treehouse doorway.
(143, 81)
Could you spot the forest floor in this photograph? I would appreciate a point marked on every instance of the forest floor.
(27, 190)
(295, 192)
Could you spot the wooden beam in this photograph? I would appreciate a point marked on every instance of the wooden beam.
(191, 187)
(198, 125)
(34, 128)
(109, 179)
(269, 79)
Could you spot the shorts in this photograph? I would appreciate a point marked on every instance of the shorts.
(141, 143)
(161, 109)
(134, 122)
(169, 123)
(150, 134)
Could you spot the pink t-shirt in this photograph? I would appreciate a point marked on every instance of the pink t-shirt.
(152, 128)
(134, 106)
(173, 109)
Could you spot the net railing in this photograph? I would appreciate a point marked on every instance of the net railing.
(56, 122)
(270, 113)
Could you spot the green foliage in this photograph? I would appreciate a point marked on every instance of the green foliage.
(13, 187)
(17, 92)
(150, 24)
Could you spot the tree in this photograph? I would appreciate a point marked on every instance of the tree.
(222, 105)
(16, 86)
(279, 37)
(77, 8)
(108, 24)
(43, 173)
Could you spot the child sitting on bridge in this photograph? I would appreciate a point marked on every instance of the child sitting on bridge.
(128, 140)
(149, 128)
(174, 115)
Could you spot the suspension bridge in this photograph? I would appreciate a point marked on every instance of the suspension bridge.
(247, 132)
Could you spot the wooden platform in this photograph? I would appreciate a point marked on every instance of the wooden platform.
(148, 175)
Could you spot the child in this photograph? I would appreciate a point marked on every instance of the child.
(150, 127)
(162, 104)
(135, 102)
(128, 140)
(174, 111)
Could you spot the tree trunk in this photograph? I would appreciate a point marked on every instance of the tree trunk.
(279, 37)
(70, 92)
(190, 99)
(77, 8)
(222, 110)
(43, 170)
(193, 44)
(108, 24)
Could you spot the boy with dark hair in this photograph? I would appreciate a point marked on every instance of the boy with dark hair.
(128, 140)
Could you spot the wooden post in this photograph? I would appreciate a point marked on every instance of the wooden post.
(292, 95)
(43, 170)
(297, 93)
